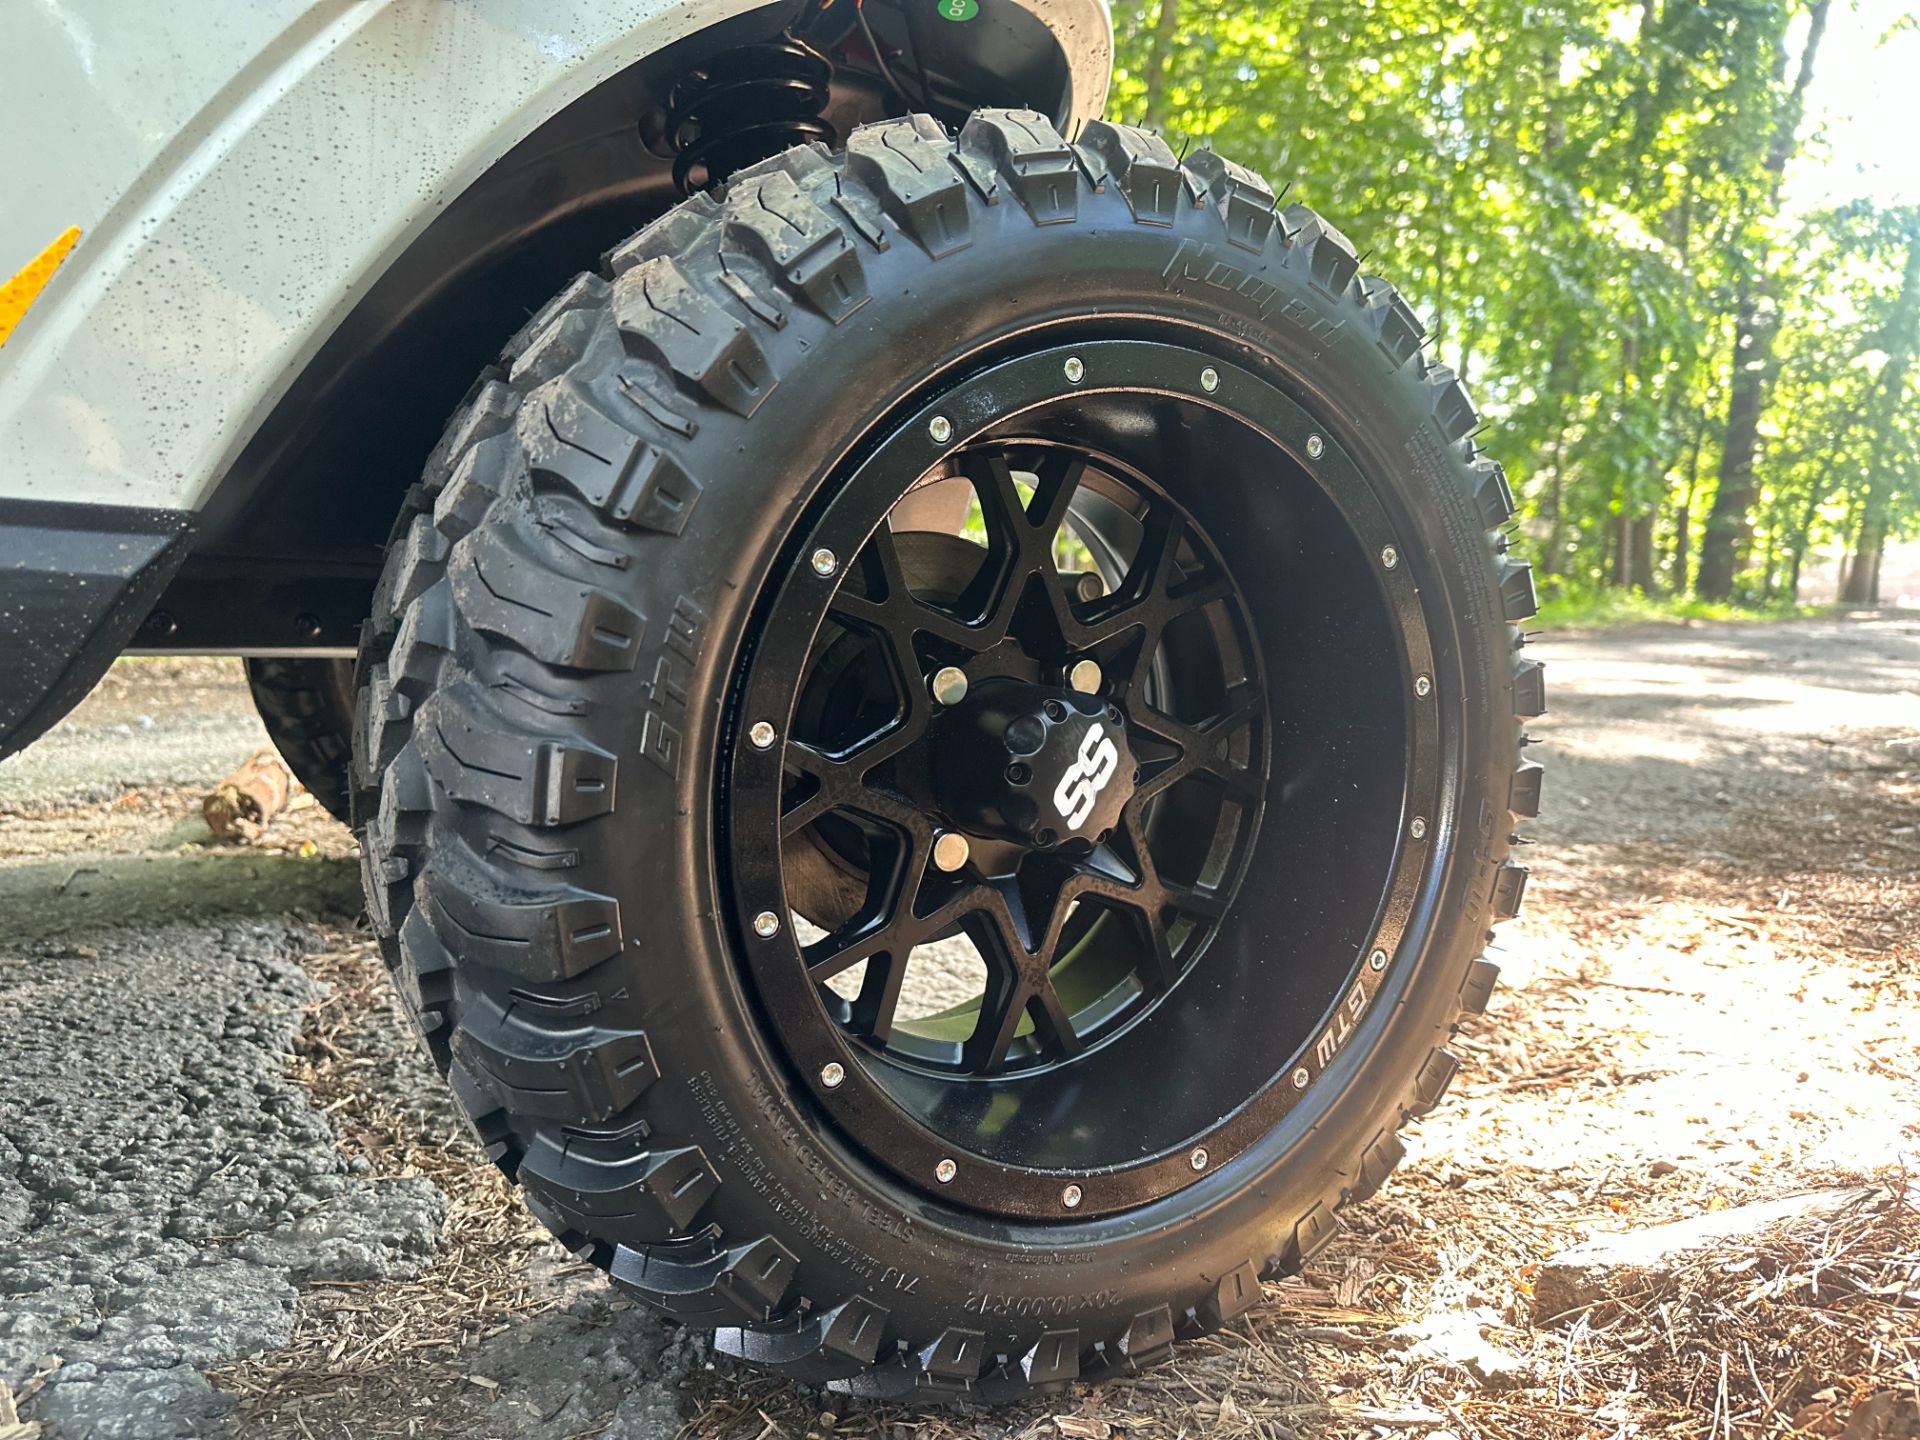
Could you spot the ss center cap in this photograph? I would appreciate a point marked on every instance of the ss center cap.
(1039, 764)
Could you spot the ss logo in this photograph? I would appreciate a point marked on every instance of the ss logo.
(1080, 787)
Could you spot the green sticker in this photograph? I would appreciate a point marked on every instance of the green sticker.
(958, 9)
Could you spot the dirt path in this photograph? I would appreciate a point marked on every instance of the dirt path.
(1713, 997)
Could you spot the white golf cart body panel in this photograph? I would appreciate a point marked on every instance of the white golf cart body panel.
(241, 176)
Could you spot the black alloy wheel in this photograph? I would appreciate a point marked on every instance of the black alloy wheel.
(914, 692)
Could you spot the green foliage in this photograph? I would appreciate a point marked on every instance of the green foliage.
(1605, 609)
(1579, 196)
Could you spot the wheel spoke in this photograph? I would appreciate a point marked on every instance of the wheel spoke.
(890, 611)
(1059, 479)
(1052, 1023)
(1197, 747)
(841, 782)
(879, 996)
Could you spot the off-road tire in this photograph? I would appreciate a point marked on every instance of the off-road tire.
(307, 707)
(542, 711)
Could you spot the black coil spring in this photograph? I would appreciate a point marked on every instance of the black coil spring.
(745, 105)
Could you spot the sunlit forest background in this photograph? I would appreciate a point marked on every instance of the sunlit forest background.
(1698, 385)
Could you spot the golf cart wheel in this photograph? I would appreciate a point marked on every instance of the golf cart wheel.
(938, 749)
(307, 707)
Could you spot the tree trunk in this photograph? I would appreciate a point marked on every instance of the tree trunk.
(1900, 337)
(1724, 543)
(1797, 555)
(1154, 73)
(1863, 569)
(1640, 553)
(1683, 522)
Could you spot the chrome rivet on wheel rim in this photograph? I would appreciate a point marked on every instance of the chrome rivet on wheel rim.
(766, 924)
(825, 562)
(945, 1171)
(941, 429)
(1199, 1158)
(832, 1073)
(1389, 557)
(1090, 587)
(1316, 447)
(1085, 677)
(761, 735)
(1209, 379)
(1076, 371)
(1378, 960)
(1418, 829)
(1070, 1197)
(1423, 687)
(951, 851)
(1300, 1078)
(949, 685)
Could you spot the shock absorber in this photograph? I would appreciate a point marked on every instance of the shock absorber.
(744, 105)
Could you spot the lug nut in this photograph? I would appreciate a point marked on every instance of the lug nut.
(945, 1171)
(825, 562)
(1316, 447)
(950, 850)
(1075, 370)
(1085, 677)
(1378, 960)
(1423, 687)
(1389, 556)
(941, 429)
(832, 1073)
(1209, 379)
(761, 735)
(766, 924)
(1199, 1158)
(949, 684)
(1418, 829)
(1300, 1078)
(1070, 1197)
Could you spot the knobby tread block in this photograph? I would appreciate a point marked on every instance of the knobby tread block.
(1396, 328)
(1140, 165)
(1030, 158)
(539, 935)
(1331, 260)
(502, 590)
(471, 753)
(1509, 887)
(769, 218)
(1245, 201)
(904, 164)
(1432, 1081)
(592, 1075)
(1529, 688)
(574, 440)
(1516, 589)
(1476, 991)
(664, 317)
(1523, 796)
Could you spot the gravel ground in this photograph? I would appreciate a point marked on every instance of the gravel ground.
(220, 1156)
